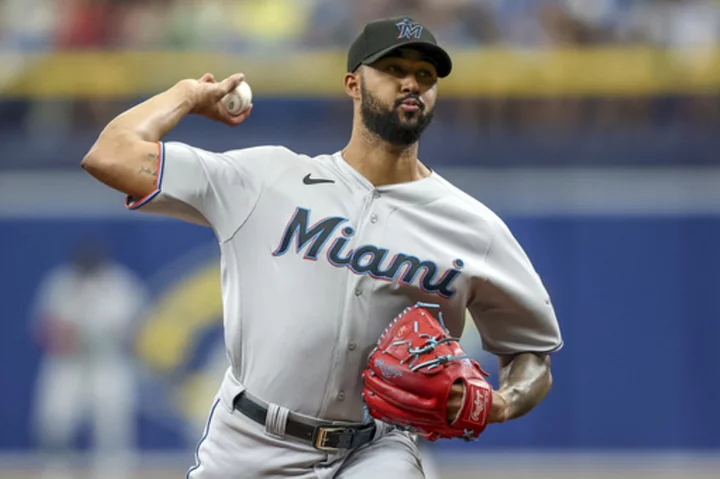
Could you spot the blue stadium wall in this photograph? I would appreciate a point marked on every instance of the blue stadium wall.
(319, 125)
(636, 297)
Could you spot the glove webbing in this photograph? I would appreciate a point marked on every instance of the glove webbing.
(430, 345)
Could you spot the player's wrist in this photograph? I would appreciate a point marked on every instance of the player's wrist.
(500, 407)
(186, 92)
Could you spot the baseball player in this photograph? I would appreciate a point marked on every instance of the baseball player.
(325, 260)
(85, 314)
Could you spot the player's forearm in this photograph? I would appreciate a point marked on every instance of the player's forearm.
(124, 156)
(525, 380)
(151, 120)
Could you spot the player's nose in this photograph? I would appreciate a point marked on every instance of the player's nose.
(410, 85)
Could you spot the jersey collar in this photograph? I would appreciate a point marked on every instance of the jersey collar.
(419, 192)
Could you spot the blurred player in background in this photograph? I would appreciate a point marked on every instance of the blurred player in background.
(85, 315)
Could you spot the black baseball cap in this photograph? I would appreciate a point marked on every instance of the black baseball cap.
(382, 37)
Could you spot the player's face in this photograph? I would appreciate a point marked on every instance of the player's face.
(398, 97)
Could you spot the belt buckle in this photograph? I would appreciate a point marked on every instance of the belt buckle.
(321, 437)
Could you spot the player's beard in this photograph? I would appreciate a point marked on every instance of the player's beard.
(388, 125)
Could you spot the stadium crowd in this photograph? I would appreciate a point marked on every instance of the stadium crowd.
(263, 26)
(242, 24)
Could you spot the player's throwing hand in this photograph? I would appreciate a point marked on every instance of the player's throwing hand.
(206, 97)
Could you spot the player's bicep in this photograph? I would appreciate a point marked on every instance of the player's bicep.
(214, 189)
(125, 164)
(186, 184)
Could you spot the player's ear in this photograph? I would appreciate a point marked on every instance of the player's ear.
(352, 85)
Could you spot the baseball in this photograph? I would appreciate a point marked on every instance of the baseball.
(238, 100)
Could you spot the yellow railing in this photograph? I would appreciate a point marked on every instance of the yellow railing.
(490, 73)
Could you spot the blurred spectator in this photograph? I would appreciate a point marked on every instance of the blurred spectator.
(271, 23)
(141, 24)
(27, 25)
(677, 23)
(85, 314)
(457, 22)
(87, 24)
(198, 25)
(332, 23)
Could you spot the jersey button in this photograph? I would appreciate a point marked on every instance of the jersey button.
(358, 291)
(341, 396)
(352, 346)
(373, 219)
(376, 194)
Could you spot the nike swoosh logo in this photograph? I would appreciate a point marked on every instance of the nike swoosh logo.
(315, 181)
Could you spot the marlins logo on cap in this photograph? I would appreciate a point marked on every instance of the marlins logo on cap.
(409, 29)
(385, 36)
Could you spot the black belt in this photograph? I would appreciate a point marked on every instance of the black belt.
(326, 437)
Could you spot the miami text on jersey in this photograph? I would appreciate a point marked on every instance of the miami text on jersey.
(365, 259)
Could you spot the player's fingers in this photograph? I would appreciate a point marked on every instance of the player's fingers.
(207, 78)
(231, 82)
(244, 115)
(236, 120)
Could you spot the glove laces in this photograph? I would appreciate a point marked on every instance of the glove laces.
(431, 343)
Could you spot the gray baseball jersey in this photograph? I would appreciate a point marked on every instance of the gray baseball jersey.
(316, 261)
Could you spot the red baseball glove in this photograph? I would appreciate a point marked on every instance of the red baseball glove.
(410, 373)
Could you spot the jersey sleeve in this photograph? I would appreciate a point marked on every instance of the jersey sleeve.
(511, 307)
(212, 189)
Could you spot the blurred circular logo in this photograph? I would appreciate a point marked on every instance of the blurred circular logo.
(180, 343)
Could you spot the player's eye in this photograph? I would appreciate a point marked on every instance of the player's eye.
(426, 75)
